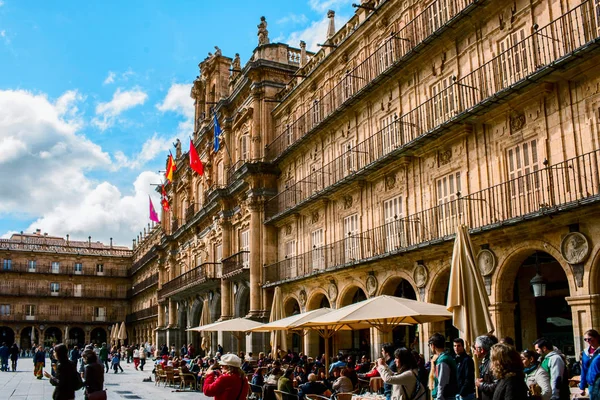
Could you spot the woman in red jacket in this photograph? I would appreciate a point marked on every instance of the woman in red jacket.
(230, 383)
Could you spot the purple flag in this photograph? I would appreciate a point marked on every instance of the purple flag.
(153, 214)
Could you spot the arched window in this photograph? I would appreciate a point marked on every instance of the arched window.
(220, 178)
(245, 147)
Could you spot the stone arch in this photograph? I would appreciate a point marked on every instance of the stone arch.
(346, 295)
(291, 306)
(52, 335)
(316, 298)
(242, 301)
(196, 311)
(594, 271)
(438, 285)
(7, 335)
(389, 285)
(215, 306)
(509, 264)
(77, 336)
(98, 336)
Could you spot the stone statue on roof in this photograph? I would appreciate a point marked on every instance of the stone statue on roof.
(263, 33)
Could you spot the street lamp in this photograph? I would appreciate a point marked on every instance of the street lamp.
(538, 282)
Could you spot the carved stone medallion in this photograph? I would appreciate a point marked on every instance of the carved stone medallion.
(315, 217)
(575, 248)
(302, 297)
(517, 121)
(420, 275)
(390, 182)
(486, 261)
(332, 291)
(444, 157)
(288, 229)
(347, 202)
(371, 285)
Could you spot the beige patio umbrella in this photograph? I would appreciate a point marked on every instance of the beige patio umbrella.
(278, 337)
(382, 312)
(467, 297)
(291, 323)
(205, 320)
(122, 335)
(237, 326)
(113, 333)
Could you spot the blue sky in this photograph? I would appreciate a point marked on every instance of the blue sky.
(92, 94)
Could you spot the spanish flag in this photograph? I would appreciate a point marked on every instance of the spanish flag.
(171, 167)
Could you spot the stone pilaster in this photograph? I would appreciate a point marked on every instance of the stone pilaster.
(502, 315)
(256, 268)
(585, 310)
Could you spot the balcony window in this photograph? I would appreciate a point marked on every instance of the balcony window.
(7, 264)
(245, 246)
(521, 161)
(245, 147)
(54, 288)
(514, 63)
(99, 269)
(290, 255)
(392, 218)
(55, 267)
(220, 174)
(53, 310)
(78, 268)
(385, 54)
(443, 101)
(450, 210)
(30, 312)
(218, 257)
(318, 253)
(389, 134)
(4, 310)
(32, 287)
(99, 313)
(31, 265)
(351, 240)
(78, 290)
(77, 311)
(348, 159)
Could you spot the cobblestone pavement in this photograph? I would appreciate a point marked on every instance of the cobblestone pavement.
(22, 385)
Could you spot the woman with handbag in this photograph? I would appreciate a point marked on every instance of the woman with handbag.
(93, 376)
(405, 383)
(230, 384)
(66, 380)
(536, 377)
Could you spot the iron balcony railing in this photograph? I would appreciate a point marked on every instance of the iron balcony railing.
(62, 316)
(143, 261)
(551, 189)
(518, 65)
(63, 269)
(397, 48)
(149, 312)
(44, 290)
(147, 283)
(236, 263)
(199, 275)
(190, 212)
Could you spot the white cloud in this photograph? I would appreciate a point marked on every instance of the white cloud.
(3, 33)
(121, 101)
(324, 5)
(293, 19)
(315, 33)
(110, 78)
(45, 161)
(150, 150)
(178, 100)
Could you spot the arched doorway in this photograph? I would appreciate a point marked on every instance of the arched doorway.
(291, 307)
(98, 336)
(548, 316)
(52, 336)
(316, 342)
(28, 339)
(7, 335)
(405, 335)
(242, 300)
(76, 337)
(439, 295)
(349, 341)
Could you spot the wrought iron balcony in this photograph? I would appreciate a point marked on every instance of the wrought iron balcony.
(563, 40)
(190, 279)
(401, 46)
(555, 188)
(149, 312)
(143, 261)
(43, 290)
(63, 270)
(235, 264)
(63, 316)
(190, 212)
(152, 280)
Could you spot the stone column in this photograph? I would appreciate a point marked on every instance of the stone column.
(172, 313)
(226, 292)
(161, 315)
(586, 315)
(502, 315)
(257, 125)
(255, 258)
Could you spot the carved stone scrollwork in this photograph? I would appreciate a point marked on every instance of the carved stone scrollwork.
(302, 297)
(315, 217)
(347, 202)
(390, 182)
(517, 121)
(444, 156)
(288, 229)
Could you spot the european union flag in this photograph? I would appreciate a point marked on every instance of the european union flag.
(217, 133)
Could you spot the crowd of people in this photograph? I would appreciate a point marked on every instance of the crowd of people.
(496, 371)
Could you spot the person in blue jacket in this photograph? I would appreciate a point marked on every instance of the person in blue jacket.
(592, 338)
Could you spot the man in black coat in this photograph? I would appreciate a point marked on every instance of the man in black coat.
(465, 371)
(486, 382)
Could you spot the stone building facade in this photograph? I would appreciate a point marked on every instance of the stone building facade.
(344, 174)
(56, 290)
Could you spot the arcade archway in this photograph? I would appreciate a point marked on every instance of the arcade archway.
(76, 337)
(98, 336)
(52, 336)
(291, 307)
(349, 341)
(7, 335)
(315, 343)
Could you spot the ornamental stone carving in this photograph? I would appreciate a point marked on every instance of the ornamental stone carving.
(288, 229)
(390, 182)
(315, 217)
(332, 291)
(263, 33)
(302, 297)
(444, 157)
(420, 275)
(486, 261)
(517, 121)
(347, 202)
(575, 248)
(371, 285)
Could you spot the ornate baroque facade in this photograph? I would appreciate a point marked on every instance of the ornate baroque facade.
(343, 174)
(54, 290)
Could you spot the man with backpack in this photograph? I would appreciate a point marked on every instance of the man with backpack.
(554, 364)
(445, 375)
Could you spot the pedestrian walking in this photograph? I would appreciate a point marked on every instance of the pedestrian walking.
(142, 357)
(592, 338)
(554, 364)
(103, 356)
(14, 356)
(39, 362)
(4, 354)
(536, 377)
(136, 358)
(93, 377)
(116, 362)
